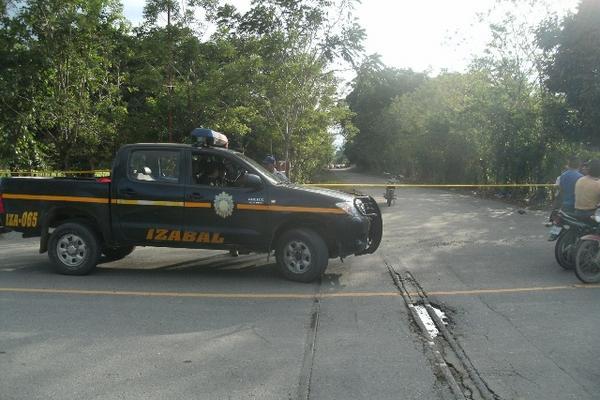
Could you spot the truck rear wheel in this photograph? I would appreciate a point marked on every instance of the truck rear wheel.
(302, 255)
(74, 249)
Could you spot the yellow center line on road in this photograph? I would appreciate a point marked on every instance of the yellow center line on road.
(214, 295)
(511, 290)
(286, 296)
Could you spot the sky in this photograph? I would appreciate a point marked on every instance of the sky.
(424, 35)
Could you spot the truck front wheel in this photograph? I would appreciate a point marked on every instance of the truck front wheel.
(74, 249)
(302, 255)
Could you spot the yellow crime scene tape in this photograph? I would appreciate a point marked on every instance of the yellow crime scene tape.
(419, 185)
(106, 172)
(96, 173)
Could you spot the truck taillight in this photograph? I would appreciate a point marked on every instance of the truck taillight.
(1, 205)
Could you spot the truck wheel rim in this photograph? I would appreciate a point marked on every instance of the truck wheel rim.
(71, 250)
(297, 257)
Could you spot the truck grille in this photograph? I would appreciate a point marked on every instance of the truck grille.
(370, 208)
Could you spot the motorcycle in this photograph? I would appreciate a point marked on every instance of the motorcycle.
(390, 189)
(567, 230)
(587, 257)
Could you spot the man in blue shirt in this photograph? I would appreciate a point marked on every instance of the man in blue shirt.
(567, 184)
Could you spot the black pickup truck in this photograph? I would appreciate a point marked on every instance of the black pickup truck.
(188, 196)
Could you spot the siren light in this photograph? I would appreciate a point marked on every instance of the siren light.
(208, 137)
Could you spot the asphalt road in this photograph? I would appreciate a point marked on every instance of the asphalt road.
(186, 324)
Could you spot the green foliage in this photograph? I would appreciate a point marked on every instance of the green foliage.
(374, 89)
(572, 67)
(497, 123)
(62, 82)
(76, 82)
(293, 44)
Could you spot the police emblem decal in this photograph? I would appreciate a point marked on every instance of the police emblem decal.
(223, 205)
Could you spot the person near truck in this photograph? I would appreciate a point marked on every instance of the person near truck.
(566, 181)
(269, 164)
(587, 191)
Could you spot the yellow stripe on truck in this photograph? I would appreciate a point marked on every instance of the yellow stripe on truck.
(196, 204)
(147, 203)
(162, 203)
(263, 207)
(100, 200)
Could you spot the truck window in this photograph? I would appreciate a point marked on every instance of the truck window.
(215, 170)
(154, 166)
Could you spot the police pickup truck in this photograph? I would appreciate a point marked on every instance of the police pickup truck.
(189, 196)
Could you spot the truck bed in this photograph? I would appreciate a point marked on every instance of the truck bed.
(30, 202)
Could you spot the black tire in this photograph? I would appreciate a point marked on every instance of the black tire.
(116, 253)
(564, 250)
(587, 261)
(309, 260)
(74, 249)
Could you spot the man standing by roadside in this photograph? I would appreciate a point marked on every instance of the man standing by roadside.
(587, 191)
(567, 182)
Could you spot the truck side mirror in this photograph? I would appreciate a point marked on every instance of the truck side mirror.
(251, 181)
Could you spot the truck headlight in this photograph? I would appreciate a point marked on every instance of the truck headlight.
(348, 207)
(360, 206)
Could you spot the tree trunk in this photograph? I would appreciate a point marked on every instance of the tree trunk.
(287, 150)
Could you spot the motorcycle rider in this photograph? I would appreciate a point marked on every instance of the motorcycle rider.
(566, 181)
(587, 191)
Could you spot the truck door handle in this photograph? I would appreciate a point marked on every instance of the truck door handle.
(129, 192)
(196, 196)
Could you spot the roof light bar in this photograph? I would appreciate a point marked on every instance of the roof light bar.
(208, 137)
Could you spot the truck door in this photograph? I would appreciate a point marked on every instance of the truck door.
(219, 210)
(150, 197)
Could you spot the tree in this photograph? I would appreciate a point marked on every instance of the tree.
(65, 92)
(373, 90)
(296, 43)
(572, 68)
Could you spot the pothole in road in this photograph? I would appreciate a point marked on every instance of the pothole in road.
(428, 323)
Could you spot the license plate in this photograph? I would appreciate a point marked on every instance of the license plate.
(555, 230)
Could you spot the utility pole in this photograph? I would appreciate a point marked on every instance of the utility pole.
(170, 73)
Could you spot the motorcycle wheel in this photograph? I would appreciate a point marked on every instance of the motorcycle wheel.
(587, 262)
(564, 251)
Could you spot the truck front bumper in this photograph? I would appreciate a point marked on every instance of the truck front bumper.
(361, 235)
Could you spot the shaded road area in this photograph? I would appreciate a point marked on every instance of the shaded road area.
(180, 324)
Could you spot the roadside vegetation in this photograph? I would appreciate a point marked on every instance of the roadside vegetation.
(519, 112)
(77, 80)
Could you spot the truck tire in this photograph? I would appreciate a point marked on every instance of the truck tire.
(74, 249)
(116, 253)
(302, 255)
